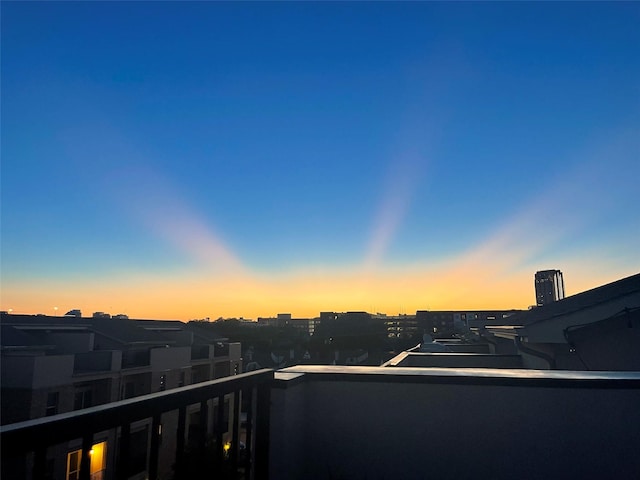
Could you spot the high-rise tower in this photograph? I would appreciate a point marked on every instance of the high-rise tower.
(549, 287)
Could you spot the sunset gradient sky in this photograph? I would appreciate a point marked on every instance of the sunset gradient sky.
(188, 160)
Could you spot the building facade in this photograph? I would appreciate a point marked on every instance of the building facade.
(549, 287)
(444, 323)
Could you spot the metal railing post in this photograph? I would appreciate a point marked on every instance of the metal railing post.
(202, 441)
(123, 452)
(249, 448)
(235, 434)
(85, 461)
(180, 431)
(262, 431)
(219, 431)
(155, 447)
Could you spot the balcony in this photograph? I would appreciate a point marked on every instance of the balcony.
(136, 358)
(376, 423)
(221, 350)
(199, 352)
(96, 361)
(28, 448)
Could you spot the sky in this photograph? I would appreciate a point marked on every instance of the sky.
(180, 160)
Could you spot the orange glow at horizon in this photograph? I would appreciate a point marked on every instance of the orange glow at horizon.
(395, 290)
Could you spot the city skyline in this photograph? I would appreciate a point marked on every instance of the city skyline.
(211, 159)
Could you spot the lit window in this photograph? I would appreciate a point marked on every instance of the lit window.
(97, 459)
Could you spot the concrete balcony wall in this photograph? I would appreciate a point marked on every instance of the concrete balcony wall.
(379, 423)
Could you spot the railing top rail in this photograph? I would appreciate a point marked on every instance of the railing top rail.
(24, 436)
(467, 376)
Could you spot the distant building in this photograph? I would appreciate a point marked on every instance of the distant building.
(281, 320)
(399, 326)
(305, 326)
(444, 323)
(549, 287)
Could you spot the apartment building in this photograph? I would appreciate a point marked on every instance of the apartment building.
(55, 365)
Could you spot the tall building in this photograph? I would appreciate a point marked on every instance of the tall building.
(549, 287)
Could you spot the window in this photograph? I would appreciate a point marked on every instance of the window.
(82, 399)
(52, 403)
(129, 390)
(138, 452)
(98, 463)
(73, 465)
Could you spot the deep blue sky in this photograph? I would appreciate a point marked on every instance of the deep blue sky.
(457, 146)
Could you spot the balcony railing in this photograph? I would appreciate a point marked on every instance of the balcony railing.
(31, 439)
(333, 422)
